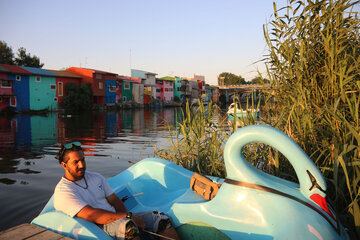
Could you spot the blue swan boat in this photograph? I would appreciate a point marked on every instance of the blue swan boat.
(250, 204)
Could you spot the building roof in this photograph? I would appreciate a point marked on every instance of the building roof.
(2, 69)
(101, 72)
(39, 71)
(64, 74)
(131, 79)
(167, 78)
(13, 69)
(141, 73)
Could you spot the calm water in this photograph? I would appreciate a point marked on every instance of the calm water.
(112, 142)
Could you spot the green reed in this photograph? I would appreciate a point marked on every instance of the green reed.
(197, 143)
(314, 68)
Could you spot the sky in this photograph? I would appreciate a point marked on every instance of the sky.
(167, 37)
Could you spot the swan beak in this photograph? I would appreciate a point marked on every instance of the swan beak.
(321, 201)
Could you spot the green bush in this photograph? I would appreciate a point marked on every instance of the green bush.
(78, 97)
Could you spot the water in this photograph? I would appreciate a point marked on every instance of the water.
(112, 142)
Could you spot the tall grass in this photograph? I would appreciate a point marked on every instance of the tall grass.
(197, 143)
(314, 68)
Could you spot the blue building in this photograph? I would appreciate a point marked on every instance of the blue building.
(110, 91)
(20, 98)
(42, 87)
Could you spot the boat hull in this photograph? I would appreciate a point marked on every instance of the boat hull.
(236, 212)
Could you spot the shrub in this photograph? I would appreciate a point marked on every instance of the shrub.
(78, 97)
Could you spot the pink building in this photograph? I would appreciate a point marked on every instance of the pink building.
(168, 90)
(6, 91)
(159, 90)
(164, 90)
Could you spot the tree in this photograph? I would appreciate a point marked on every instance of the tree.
(227, 78)
(25, 59)
(259, 80)
(6, 53)
(78, 97)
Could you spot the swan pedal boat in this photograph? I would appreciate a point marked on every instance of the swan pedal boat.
(250, 204)
(235, 109)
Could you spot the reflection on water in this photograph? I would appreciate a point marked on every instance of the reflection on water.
(111, 141)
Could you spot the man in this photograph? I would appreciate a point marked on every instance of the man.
(88, 195)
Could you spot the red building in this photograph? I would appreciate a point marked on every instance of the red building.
(62, 79)
(97, 80)
(5, 88)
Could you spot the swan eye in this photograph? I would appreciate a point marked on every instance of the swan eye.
(314, 182)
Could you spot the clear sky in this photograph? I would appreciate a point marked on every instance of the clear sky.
(167, 37)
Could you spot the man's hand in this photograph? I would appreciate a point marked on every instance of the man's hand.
(115, 201)
(139, 222)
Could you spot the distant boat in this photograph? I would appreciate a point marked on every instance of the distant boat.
(249, 204)
(235, 109)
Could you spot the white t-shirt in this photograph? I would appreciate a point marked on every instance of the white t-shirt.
(71, 198)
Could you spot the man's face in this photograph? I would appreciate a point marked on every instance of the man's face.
(75, 166)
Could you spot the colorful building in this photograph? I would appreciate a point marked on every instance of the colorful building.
(201, 84)
(62, 79)
(137, 90)
(103, 84)
(179, 89)
(128, 89)
(96, 80)
(42, 85)
(165, 89)
(207, 93)
(215, 94)
(6, 86)
(21, 90)
(148, 79)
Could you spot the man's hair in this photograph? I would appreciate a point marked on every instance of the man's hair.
(61, 156)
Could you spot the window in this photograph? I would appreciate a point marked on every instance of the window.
(166, 89)
(126, 85)
(6, 83)
(158, 90)
(38, 79)
(98, 76)
(13, 101)
(52, 86)
(60, 89)
(100, 85)
(18, 78)
(112, 88)
(178, 88)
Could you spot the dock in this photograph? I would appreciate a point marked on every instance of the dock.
(30, 232)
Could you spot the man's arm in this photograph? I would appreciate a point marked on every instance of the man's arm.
(99, 216)
(115, 201)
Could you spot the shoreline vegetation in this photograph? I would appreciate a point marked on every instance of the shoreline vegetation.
(314, 69)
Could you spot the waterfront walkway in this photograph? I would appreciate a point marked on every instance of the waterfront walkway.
(30, 232)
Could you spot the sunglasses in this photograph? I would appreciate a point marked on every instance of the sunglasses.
(65, 147)
(72, 144)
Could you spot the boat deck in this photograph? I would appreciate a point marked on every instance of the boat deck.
(30, 231)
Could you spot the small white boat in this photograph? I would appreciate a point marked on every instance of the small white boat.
(235, 109)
